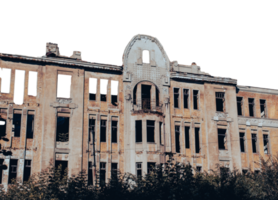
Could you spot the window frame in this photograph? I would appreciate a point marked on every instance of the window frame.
(174, 94)
(101, 126)
(254, 110)
(265, 108)
(218, 97)
(188, 98)
(242, 107)
(150, 126)
(198, 98)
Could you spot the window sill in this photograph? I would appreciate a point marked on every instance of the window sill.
(151, 143)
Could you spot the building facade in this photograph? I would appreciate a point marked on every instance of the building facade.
(91, 116)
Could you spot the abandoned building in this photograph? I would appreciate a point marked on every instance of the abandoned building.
(90, 116)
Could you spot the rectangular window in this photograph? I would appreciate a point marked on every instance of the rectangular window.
(254, 143)
(244, 171)
(222, 139)
(27, 170)
(195, 99)
(92, 89)
(102, 173)
(114, 171)
(242, 142)
(13, 170)
(199, 169)
(1, 169)
(16, 123)
(32, 83)
(19, 87)
(62, 131)
(3, 125)
(92, 123)
(150, 131)
(5, 75)
(160, 132)
(114, 131)
(177, 136)
(103, 130)
(30, 125)
(151, 166)
(114, 92)
(90, 173)
(239, 105)
(187, 141)
(63, 167)
(185, 98)
(139, 169)
(176, 97)
(263, 108)
(63, 86)
(251, 103)
(220, 98)
(266, 145)
(197, 140)
(103, 89)
(138, 129)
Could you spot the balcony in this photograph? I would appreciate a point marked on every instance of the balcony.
(148, 106)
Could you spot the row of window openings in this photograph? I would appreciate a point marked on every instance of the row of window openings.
(13, 170)
(254, 143)
(186, 98)
(251, 106)
(187, 138)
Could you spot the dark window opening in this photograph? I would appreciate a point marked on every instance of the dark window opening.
(30, 126)
(90, 173)
(150, 131)
(103, 130)
(13, 170)
(62, 166)
(102, 173)
(254, 143)
(146, 97)
(103, 97)
(17, 124)
(92, 97)
(266, 149)
(257, 172)
(1, 169)
(139, 170)
(27, 170)
(3, 126)
(157, 96)
(220, 98)
(263, 108)
(187, 141)
(176, 97)
(177, 136)
(114, 100)
(114, 131)
(62, 133)
(160, 132)
(195, 99)
(222, 139)
(251, 104)
(134, 95)
(242, 142)
(239, 105)
(92, 129)
(151, 166)
(138, 129)
(114, 171)
(185, 98)
(244, 171)
(199, 169)
(197, 140)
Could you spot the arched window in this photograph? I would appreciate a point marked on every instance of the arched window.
(146, 56)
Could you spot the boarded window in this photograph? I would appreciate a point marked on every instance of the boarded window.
(102, 173)
(197, 140)
(139, 170)
(177, 137)
(114, 92)
(19, 87)
(251, 103)
(5, 75)
(27, 170)
(150, 131)
(185, 98)
(62, 130)
(195, 99)
(103, 130)
(16, 123)
(114, 131)
(242, 142)
(266, 144)
(138, 130)
(32, 83)
(150, 167)
(254, 143)
(92, 89)
(13, 170)
(146, 56)
(176, 97)
(263, 108)
(239, 105)
(30, 125)
(63, 86)
(90, 173)
(62, 166)
(187, 140)
(103, 89)
(222, 139)
(220, 98)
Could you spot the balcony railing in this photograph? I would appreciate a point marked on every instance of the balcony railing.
(148, 106)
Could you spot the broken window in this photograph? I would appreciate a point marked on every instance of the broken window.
(242, 142)
(91, 128)
(185, 98)
(134, 95)
(197, 140)
(146, 56)
(103, 130)
(102, 173)
(139, 170)
(3, 126)
(263, 108)
(266, 144)
(251, 104)
(160, 132)
(199, 169)
(220, 98)
(222, 139)
(90, 173)
(19, 87)
(114, 92)
(176, 97)
(5, 75)
(114, 131)
(32, 83)
(27, 170)
(63, 86)
(103, 89)
(150, 166)
(30, 125)
(138, 129)
(62, 131)
(239, 105)
(187, 141)
(92, 89)
(13, 170)
(195, 99)
(62, 166)
(177, 136)
(150, 131)
(114, 171)
(17, 123)
(254, 143)
(146, 97)
(1, 169)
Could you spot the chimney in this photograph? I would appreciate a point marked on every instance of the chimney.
(52, 50)
(77, 55)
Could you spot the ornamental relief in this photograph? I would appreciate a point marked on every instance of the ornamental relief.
(257, 122)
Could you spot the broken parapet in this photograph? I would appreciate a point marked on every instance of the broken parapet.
(77, 55)
(52, 50)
